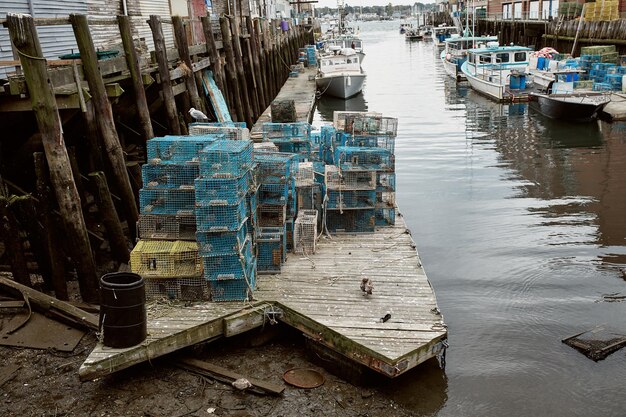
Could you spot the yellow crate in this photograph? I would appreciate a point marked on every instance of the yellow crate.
(166, 259)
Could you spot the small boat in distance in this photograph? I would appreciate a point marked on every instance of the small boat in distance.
(441, 33)
(499, 72)
(340, 73)
(413, 34)
(404, 27)
(455, 50)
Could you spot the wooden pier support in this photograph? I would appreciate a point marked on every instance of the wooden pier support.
(218, 67)
(183, 53)
(231, 68)
(241, 76)
(24, 37)
(253, 46)
(164, 73)
(258, 37)
(132, 61)
(105, 122)
(13, 242)
(117, 240)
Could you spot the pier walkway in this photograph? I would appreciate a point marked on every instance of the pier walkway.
(319, 295)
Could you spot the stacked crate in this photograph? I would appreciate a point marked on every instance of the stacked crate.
(305, 232)
(229, 130)
(360, 188)
(167, 253)
(222, 209)
(276, 206)
(290, 138)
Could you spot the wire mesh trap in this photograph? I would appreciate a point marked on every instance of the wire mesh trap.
(597, 343)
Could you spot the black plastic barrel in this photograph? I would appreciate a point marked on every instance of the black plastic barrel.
(122, 309)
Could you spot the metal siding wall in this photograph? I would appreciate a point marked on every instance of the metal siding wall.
(105, 35)
(57, 40)
(160, 8)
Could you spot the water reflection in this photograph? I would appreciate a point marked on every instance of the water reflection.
(327, 105)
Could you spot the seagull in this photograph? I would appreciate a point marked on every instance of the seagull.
(367, 286)
(198, 115)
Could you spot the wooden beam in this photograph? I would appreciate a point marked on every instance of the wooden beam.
(132, 62)
(166, 85)
(247, 319)
(13, 242)
(24, 37)
(50, 306)
(105, 121)
(185, 57)
(241, 76)
(231, 69)
(227, 376)
(216, 60)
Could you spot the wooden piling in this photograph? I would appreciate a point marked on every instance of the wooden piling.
(243, 85)
(183, 53)
(46, 218)
(106, 123)
(117, 241)
(164, 73)
(13, 242)
(26, 211)
(24, 37)
(248, 66)
(216, 61)
(256, 63)
(258, 36)
(231, 70)
(132, 61)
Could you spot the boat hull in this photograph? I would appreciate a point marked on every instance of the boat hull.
(489, 89)
(557, 107)
(341, 85)
(451, 68)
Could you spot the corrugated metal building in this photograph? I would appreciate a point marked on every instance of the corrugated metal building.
(59, 40)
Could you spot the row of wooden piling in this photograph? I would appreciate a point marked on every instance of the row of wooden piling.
(248, 67)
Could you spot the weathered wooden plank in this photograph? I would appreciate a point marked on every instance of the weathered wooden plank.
(225, 375)
(247, 319)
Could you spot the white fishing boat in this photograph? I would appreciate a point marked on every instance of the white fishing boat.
(441, 33)
(455, 50)
(499, 72)
(340, 74)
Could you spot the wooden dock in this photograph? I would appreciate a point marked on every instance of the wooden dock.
(300, 89)
(319, 295)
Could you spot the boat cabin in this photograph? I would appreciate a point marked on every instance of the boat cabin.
(346, 42)
(499, 57)
(344, 59)
(441, 33)
(457, 45)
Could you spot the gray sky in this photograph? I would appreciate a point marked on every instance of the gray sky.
(356, 3)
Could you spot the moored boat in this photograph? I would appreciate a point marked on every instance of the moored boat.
(499, 72)
(340, 74)
(441, 33)
(413, 34)
(573, 107)
(454, 53)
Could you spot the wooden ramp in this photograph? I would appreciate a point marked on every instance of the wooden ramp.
(301, 90)
(319, 295)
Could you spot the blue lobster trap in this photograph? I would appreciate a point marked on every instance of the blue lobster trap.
(252, 204)
(385, 216)
(222, 243)
(275, 167)
(372, 159)
(357, 199)
(229, 267)
(385, 181)
(210, 191)
(226, 130)
(274, 194)
(271, 249)
(221, 217)
(235, 290)
(169, 175)
(167, 201)
(385, 142)
(226, 158)
(177, 149)
(351, 221)
(272, 131)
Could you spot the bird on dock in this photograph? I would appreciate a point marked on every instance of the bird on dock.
(386, 317)
(198, 115)
(367, 286)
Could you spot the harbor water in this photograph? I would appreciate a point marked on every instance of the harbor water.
(520, 222)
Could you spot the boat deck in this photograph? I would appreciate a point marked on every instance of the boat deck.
(319, 295)
(301, 90)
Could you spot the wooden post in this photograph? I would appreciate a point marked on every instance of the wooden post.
(24, 37)
(183, 53)
(164, 73)
(258, 34)
(27, 216)
(13, 242)
(243, 85)
(106, 124)
(233, 82)
(71, 153)
(91, 136)
(55, 253)
(117, 241)
(256, 63)
(248, 66)
(218, 68)
(132, 61)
